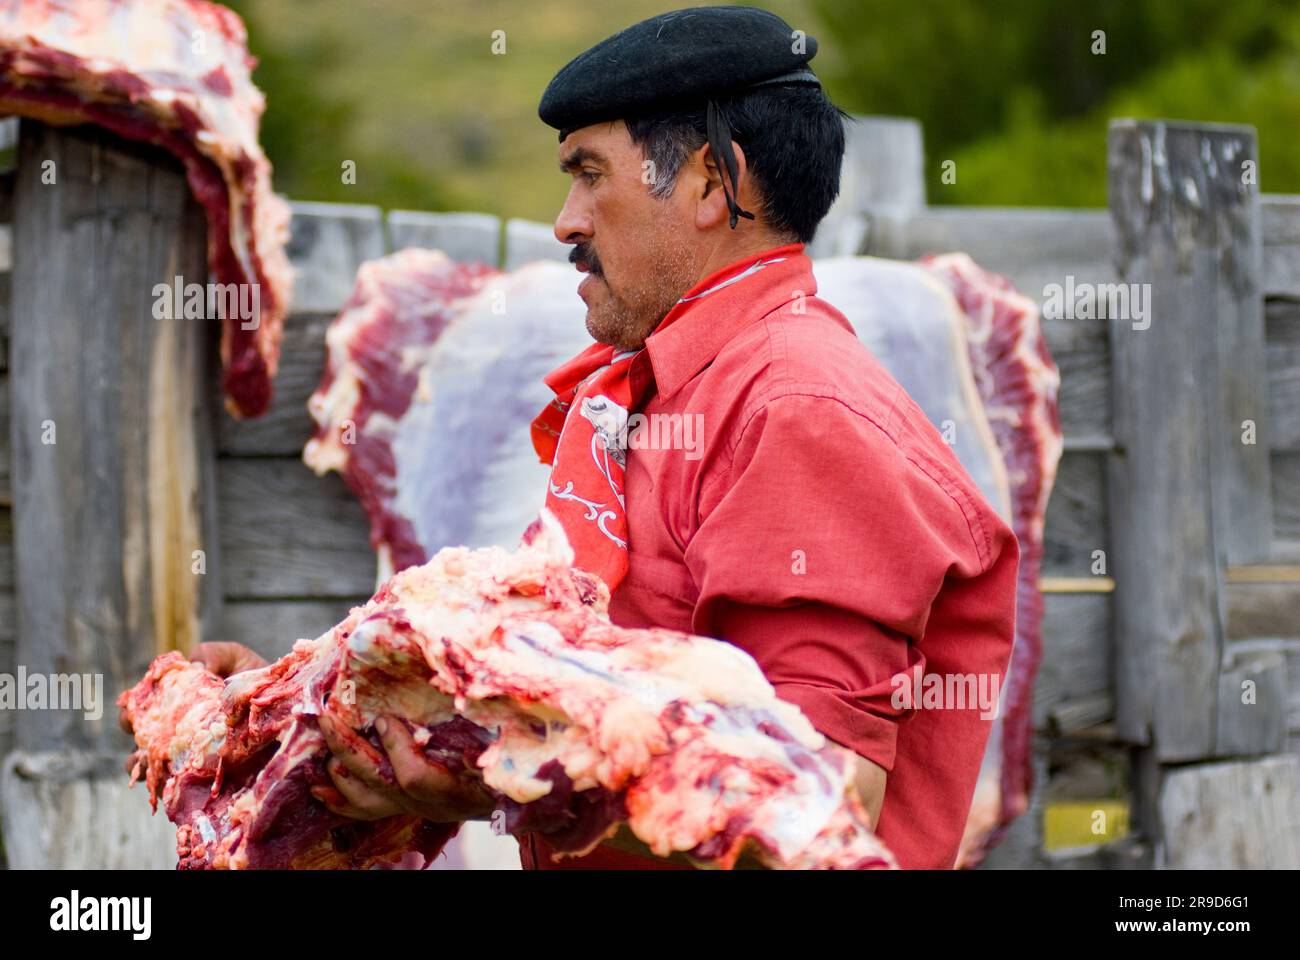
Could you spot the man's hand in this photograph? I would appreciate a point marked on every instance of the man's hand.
(364, 790)
(226, 659)
(222, 658)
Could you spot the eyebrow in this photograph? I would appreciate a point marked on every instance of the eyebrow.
(578, 157)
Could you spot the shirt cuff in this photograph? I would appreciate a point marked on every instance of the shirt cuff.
(866, 734)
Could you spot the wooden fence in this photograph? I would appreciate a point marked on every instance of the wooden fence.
(1135, 707)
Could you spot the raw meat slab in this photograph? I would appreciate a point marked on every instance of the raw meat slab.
(176, 74)
(510, 674)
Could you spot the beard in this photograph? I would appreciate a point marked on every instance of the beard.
(624, 316)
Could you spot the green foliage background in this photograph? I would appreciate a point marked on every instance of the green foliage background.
(1010, 90)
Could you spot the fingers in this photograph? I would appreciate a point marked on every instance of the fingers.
(356, 755)
(219, 658)
(225, 659)
(415, 773)
(357, 790)
(352, 797)
(442, 794)
(329, 795)
(335, 802)
(364, 789)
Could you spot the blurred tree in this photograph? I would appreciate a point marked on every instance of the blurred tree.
(1017, 96)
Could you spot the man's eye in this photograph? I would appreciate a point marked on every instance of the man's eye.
(590, 175)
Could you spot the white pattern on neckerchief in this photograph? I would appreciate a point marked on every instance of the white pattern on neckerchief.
(747, 272)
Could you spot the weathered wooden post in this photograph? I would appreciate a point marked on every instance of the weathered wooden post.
(882, 184)
(1189, 490)
(113, 477)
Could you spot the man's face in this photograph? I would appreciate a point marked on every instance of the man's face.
(640, 252)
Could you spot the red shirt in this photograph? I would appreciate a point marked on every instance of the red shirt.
(825, 527)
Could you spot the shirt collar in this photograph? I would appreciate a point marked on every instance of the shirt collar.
(715, 309)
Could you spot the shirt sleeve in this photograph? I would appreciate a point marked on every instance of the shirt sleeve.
(820, 550)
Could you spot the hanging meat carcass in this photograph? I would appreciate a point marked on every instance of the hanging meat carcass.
(176, 74)
(448, 460)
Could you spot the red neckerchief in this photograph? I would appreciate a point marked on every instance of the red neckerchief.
(588, 452)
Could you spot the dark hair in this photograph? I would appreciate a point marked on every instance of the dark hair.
(793, 138)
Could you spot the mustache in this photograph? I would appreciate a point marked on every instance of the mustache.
(582, 253)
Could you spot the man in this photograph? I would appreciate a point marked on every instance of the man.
(821, 524)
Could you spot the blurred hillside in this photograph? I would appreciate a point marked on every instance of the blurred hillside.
(1012, 91)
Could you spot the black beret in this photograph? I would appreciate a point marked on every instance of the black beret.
(694, 54)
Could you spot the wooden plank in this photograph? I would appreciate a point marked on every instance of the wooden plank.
(1078, 714)
(468, 237)
(1081, 350)
(8, 664)
(1286, 496)
(1089, 584)
(1286, 551)
(1235, 816)
(286, 533)
(1282, 354)
(1165, 200)
(1077, 658)
(1253, 700)
(1264, 573)
(1243, 521)
(1280, 225)
(327, 242)
(884, 157)
(107, 516)
(1033, 248)
(1263, 610)
(1089, 443)
(1077, 522)
(74, 811)
(286, 426)
(527, 241)
(882, 178)
(271, 626)
(6, 480)
(1037, 250)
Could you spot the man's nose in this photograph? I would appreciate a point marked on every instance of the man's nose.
(573, 225)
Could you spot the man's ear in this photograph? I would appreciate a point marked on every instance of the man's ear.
(711, 209)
